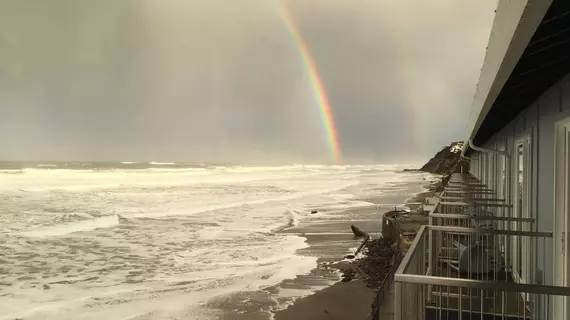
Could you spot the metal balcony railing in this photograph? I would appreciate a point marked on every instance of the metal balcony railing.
(475, 261)
(487, 286)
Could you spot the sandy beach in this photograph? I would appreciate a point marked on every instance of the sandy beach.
(353, 299)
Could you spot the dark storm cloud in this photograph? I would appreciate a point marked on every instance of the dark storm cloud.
(223, 80)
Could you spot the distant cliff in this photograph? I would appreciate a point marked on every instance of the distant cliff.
(447, 160)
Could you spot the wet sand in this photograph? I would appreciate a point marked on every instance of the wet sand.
(329, 240)
(345, 300)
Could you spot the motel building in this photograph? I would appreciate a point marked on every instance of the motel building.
(497, 244)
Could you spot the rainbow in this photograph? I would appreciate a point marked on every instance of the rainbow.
(318, 88)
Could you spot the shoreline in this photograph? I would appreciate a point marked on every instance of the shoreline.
(353, 298)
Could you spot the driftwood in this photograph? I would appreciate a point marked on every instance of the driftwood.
(358, 233)
(362, 244)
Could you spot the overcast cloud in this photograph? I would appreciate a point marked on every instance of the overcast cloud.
(222, 80)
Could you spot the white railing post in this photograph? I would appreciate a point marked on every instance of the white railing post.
(432, 263)
(398, 301)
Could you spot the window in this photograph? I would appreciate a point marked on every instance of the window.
(519, 207)
(562, 215)
(504, 179)
(521, 260)
(502, 193)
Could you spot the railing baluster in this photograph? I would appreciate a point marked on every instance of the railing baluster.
(493, 256)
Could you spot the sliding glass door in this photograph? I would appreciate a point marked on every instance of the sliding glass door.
(562, 215)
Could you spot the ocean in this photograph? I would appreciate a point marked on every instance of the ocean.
(173, 241)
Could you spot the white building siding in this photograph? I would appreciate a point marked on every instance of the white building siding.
(538, 120)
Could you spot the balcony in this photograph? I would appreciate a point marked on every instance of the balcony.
(475, 261)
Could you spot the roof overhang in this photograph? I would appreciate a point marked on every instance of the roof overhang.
(513, 27)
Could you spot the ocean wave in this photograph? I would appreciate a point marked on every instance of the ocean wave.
(176, 170)
(293, 217)
(42, 165)
(286, 197)
(247, 169)
(183, 238)
(72, 227)
(46, 172)
(12, 171)
(291, 221)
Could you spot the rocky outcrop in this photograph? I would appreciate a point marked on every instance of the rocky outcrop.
(448, 160)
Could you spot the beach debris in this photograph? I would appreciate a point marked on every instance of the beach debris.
(405, 241)
(348, 274)
(46, 287)
(349, 256)
(403, 210)
(314, 211)
(362, 244)
(121, 218)
(374, 267)
(357, 232)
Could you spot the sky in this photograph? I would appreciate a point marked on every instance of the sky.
(224, 81)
